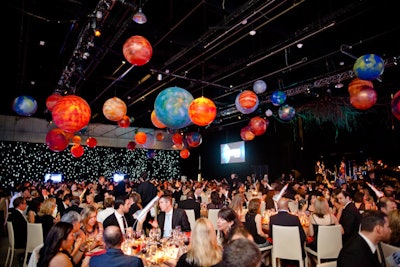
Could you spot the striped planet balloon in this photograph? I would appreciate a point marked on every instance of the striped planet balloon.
(71, 113)
(357, 84)
(114, 109)
(249, 100)
(202, 111)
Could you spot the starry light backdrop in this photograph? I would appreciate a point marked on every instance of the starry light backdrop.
(31, 161)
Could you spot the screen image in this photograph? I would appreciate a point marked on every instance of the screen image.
(55, 177)
(233, 152)
(117, 177)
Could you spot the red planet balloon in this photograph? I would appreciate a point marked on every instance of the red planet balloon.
(52, 100)
(56, 140)
(258, 125)
(141, 138)
(91, 142)
(184, 153)
(137, 50)
(247, 134)
(77, 151)
(202, 111)
(124, 122)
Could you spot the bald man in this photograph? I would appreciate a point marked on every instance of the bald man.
(114, 256)
(284, 218)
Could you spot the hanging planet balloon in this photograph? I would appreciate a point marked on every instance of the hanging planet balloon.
(156, 122)
(114, 109)
(369, 67)
(56, 140)
(124, 122)
(137, 50)
(395, 104)
(259, 87)
(141, 138)
(151, 153)
(357, 84)
(131, 145)
(184, 153)
(177, 138)
(91, 142)
(194, 139)
(25, 105)
(278, 98)
(258, 125)
(246, 102)
(77, 151)
(160, 136)
(171, 107)
(52, 100)
(202, 111)
(76, 140)
(364, 99)
(246, 134)
(71, 113)
(286, 112)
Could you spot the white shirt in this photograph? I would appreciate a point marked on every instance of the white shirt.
(103, 214)
(120, 221)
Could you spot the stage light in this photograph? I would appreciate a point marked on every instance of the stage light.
(139, 17)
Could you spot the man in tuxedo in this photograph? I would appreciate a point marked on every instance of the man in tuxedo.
(284, 218)
(19, 222)
(114, 256)
(361, 250)
(170, 217)
(350, 218)
(190, 204)
(120, 217)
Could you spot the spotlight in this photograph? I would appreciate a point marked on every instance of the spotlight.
(97, 33)
(159, 77)
(139, 17)
(299, 45)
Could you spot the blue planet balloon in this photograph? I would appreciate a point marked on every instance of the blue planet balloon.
(25, 105)
(286, 112)
(171, 107)
(194, 139)
(369, 67)
(259, 87)
(278, 98)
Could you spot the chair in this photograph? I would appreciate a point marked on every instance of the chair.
(33, 260)
(191, 217)
(34, 238)
(266, 255)
(287, 245)
(213, 217)
(329, 243)
(388, 251)
(328, 264)
(11, 242)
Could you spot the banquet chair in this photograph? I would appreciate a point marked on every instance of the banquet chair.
(266, 255)
(286, 244)
(329, 243)
(213, 217)
(328, 264)
(33, 260)
(11, 242)
(34, 238)
(388, 251)
(191, 217)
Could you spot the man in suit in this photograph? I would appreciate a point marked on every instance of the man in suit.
(19, 222)
(360, 250)
(170, 217)
(74, 205)
(114, 256)
(284, 218)
(350, 217)
(120, 217)
(190, 204)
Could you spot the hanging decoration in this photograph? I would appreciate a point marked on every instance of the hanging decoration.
(286, 112)
(246, 134)
(278, 98)
(395, 104)
(56, 140)
(140, 138)
(91, 142)
(246, 102)
(184, 153)
(137, 50)
(258, 125)
(131, 145)
(124, 122)
(259, 87)
(156, 122)
(25, 105)
(369, 67)
(114, 109)
(52, 100)
(77, 151)
(194, 139)
(202, 111)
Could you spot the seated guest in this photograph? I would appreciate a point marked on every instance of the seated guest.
(215, 201)
(46, 215)
(19, 222)
(360, 250)
(190, 204)
(241, 252)
(227, 223)
(386, 205)
(56, 248)
(114, 256)
(108, 204)
(75, 202)
(91, 227)
(120, 217)
(79, 247)
(169, 217)
(320, 216)
(253, 223)
(204, 249)
(394, 224)
(238, 201)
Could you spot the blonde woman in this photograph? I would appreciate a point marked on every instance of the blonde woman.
(237, 205)
(47, 215)
(204, 250)
(394, 224)
(91, 227)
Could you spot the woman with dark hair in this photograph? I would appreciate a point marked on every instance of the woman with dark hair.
(56, 248)
(215, 201)
(253, 223)
(227, 221)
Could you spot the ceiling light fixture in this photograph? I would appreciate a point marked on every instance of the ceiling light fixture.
(299, 45)
(140, 17)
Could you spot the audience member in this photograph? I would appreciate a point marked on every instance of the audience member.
(237, 205)
(241, 252)
(108, 205)
(394, 224)
(191, 204)
(253, 223)
(216, 202)
(227, 222)
(91, 227)
(349, 215)
(386, 205)
(46, 215)
(360, 250)
(203, 249)
(19, 222)
(114, 256)
(79, 246)
(120, 217)
(169, 217)
(58, 243)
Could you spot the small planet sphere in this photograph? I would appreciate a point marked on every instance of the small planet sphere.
(246, 134)
(91, 142)
(56, 140)
(77, 151)
(286, 112)
(171, 107)
(140, 138)
(395, 104)
(25, 105)
(114, 109)
(364, 99)
(369, 67)
(124, 122)
(177, 138)
(131, 145)
(137, 50)
(160, 136)
(258, 125)
(184, 153)
(278, 98)
(194, 139)
(259, 87)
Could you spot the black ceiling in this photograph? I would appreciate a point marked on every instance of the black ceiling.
(202, 46)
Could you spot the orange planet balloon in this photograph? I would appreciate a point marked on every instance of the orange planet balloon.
(156, 122)
(356, 85)
(76, 139)
(160, 136)
(177, 138)
(258, 125)
(124, 122)
(114, 109)
(77, 151)
(141, 138)
(202, 111)
(71, 113)
(52, 100)
(137, 50)
(247, 134)
(184, 153)
(248, 99)
(364, 98)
